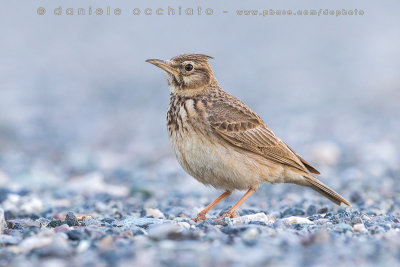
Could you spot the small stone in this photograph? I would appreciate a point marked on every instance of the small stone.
(142, 222)
(184, 225)
(323, 210)
(365, 218)
(155, 213)
(71, 219)
(75, 235)
(296, 220)
(83, 246)
(170, 231)
(251, 218)
(359, 228)
(2, 221)
(24, 223)
(251, 236)
(163, 231)
(55, 223)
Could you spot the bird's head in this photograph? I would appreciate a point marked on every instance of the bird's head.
(187, 72)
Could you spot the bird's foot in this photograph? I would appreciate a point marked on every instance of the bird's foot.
(200, 217)
(227, 215)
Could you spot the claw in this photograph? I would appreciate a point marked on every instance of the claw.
(200, 217)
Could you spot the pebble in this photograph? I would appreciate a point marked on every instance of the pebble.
(25, 223)
(251, 218)
(359, 228)
(75, 235)
(297, 220)
(71, 219)
(155, 213)
(2, 221)
(164, 231)
(251, 236)
(142, 222)
(55, 223)
(323, 210)
(185, 225)
(83, 246)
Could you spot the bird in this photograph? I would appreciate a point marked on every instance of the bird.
(222, 143)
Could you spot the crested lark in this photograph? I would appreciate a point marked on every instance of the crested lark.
(221, 142)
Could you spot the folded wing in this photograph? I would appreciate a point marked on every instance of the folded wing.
(238, 125)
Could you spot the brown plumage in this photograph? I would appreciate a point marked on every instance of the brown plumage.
(221, 142)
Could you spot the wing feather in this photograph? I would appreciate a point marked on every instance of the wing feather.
(237, 124)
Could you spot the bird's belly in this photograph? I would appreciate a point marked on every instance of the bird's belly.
(214, 162)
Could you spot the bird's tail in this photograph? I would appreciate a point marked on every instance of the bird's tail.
(324, 190)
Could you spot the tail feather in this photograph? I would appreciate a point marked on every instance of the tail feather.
(325, 191)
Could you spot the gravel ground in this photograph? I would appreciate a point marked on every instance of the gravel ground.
(104, 212)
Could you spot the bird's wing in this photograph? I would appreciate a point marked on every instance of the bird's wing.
(237, 124)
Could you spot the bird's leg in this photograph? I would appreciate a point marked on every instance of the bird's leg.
(202, 214)
(231, 212)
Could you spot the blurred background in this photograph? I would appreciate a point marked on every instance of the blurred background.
(77, 95)
(83, 129)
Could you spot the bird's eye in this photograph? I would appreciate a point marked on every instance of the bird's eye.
(188, 67)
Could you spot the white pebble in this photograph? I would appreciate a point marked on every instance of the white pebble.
(251, 234)
(359, 228)
(258, 217)
(155, 213)
(184, 225)
(297, 220)
(2, 221)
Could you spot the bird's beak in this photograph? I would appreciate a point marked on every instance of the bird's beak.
(163, 65)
